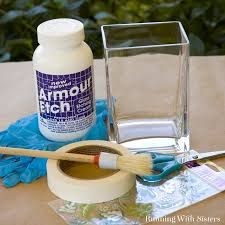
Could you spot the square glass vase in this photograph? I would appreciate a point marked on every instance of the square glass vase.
(147, 66)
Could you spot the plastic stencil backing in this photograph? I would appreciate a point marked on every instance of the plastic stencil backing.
(146, 202)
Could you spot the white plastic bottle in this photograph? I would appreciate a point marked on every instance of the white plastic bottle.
(64, 82)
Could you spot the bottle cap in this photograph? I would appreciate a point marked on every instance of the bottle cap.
(60, 32)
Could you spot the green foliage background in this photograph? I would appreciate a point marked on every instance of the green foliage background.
(204, 21)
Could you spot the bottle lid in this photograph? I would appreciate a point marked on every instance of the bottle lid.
(60, 32)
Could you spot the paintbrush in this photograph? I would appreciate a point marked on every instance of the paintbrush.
(137, 164)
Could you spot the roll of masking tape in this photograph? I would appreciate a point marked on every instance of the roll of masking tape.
(86, 183)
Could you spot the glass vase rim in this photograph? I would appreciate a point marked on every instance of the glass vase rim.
(181, 28)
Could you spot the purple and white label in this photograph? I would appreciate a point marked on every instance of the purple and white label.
(66, 102)
(216, 179)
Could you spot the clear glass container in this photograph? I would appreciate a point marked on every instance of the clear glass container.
(147, 85)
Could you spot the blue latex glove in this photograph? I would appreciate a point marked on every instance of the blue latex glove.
(24, 133)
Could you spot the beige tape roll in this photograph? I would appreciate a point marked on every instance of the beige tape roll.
(85, 183)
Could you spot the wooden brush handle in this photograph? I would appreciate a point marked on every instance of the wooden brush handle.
(47, 154)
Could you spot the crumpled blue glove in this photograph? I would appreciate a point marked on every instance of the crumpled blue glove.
(24, 133)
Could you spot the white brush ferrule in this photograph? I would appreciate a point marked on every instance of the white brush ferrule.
(108, 160)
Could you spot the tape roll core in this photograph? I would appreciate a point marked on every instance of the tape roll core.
(85, 183)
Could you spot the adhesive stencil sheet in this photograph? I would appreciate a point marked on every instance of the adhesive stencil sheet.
(144, 202)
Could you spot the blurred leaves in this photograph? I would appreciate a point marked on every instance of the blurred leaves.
(103, 15)
(168, 4)
(75, 4)
(204, 21)
(37, 10)
(197, 46)
(10, 16)
(4, 56)
(196, 12)
(19, 48)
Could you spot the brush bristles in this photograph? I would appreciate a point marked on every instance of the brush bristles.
(137, 164)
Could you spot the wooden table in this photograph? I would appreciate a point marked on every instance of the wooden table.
(28, 204)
